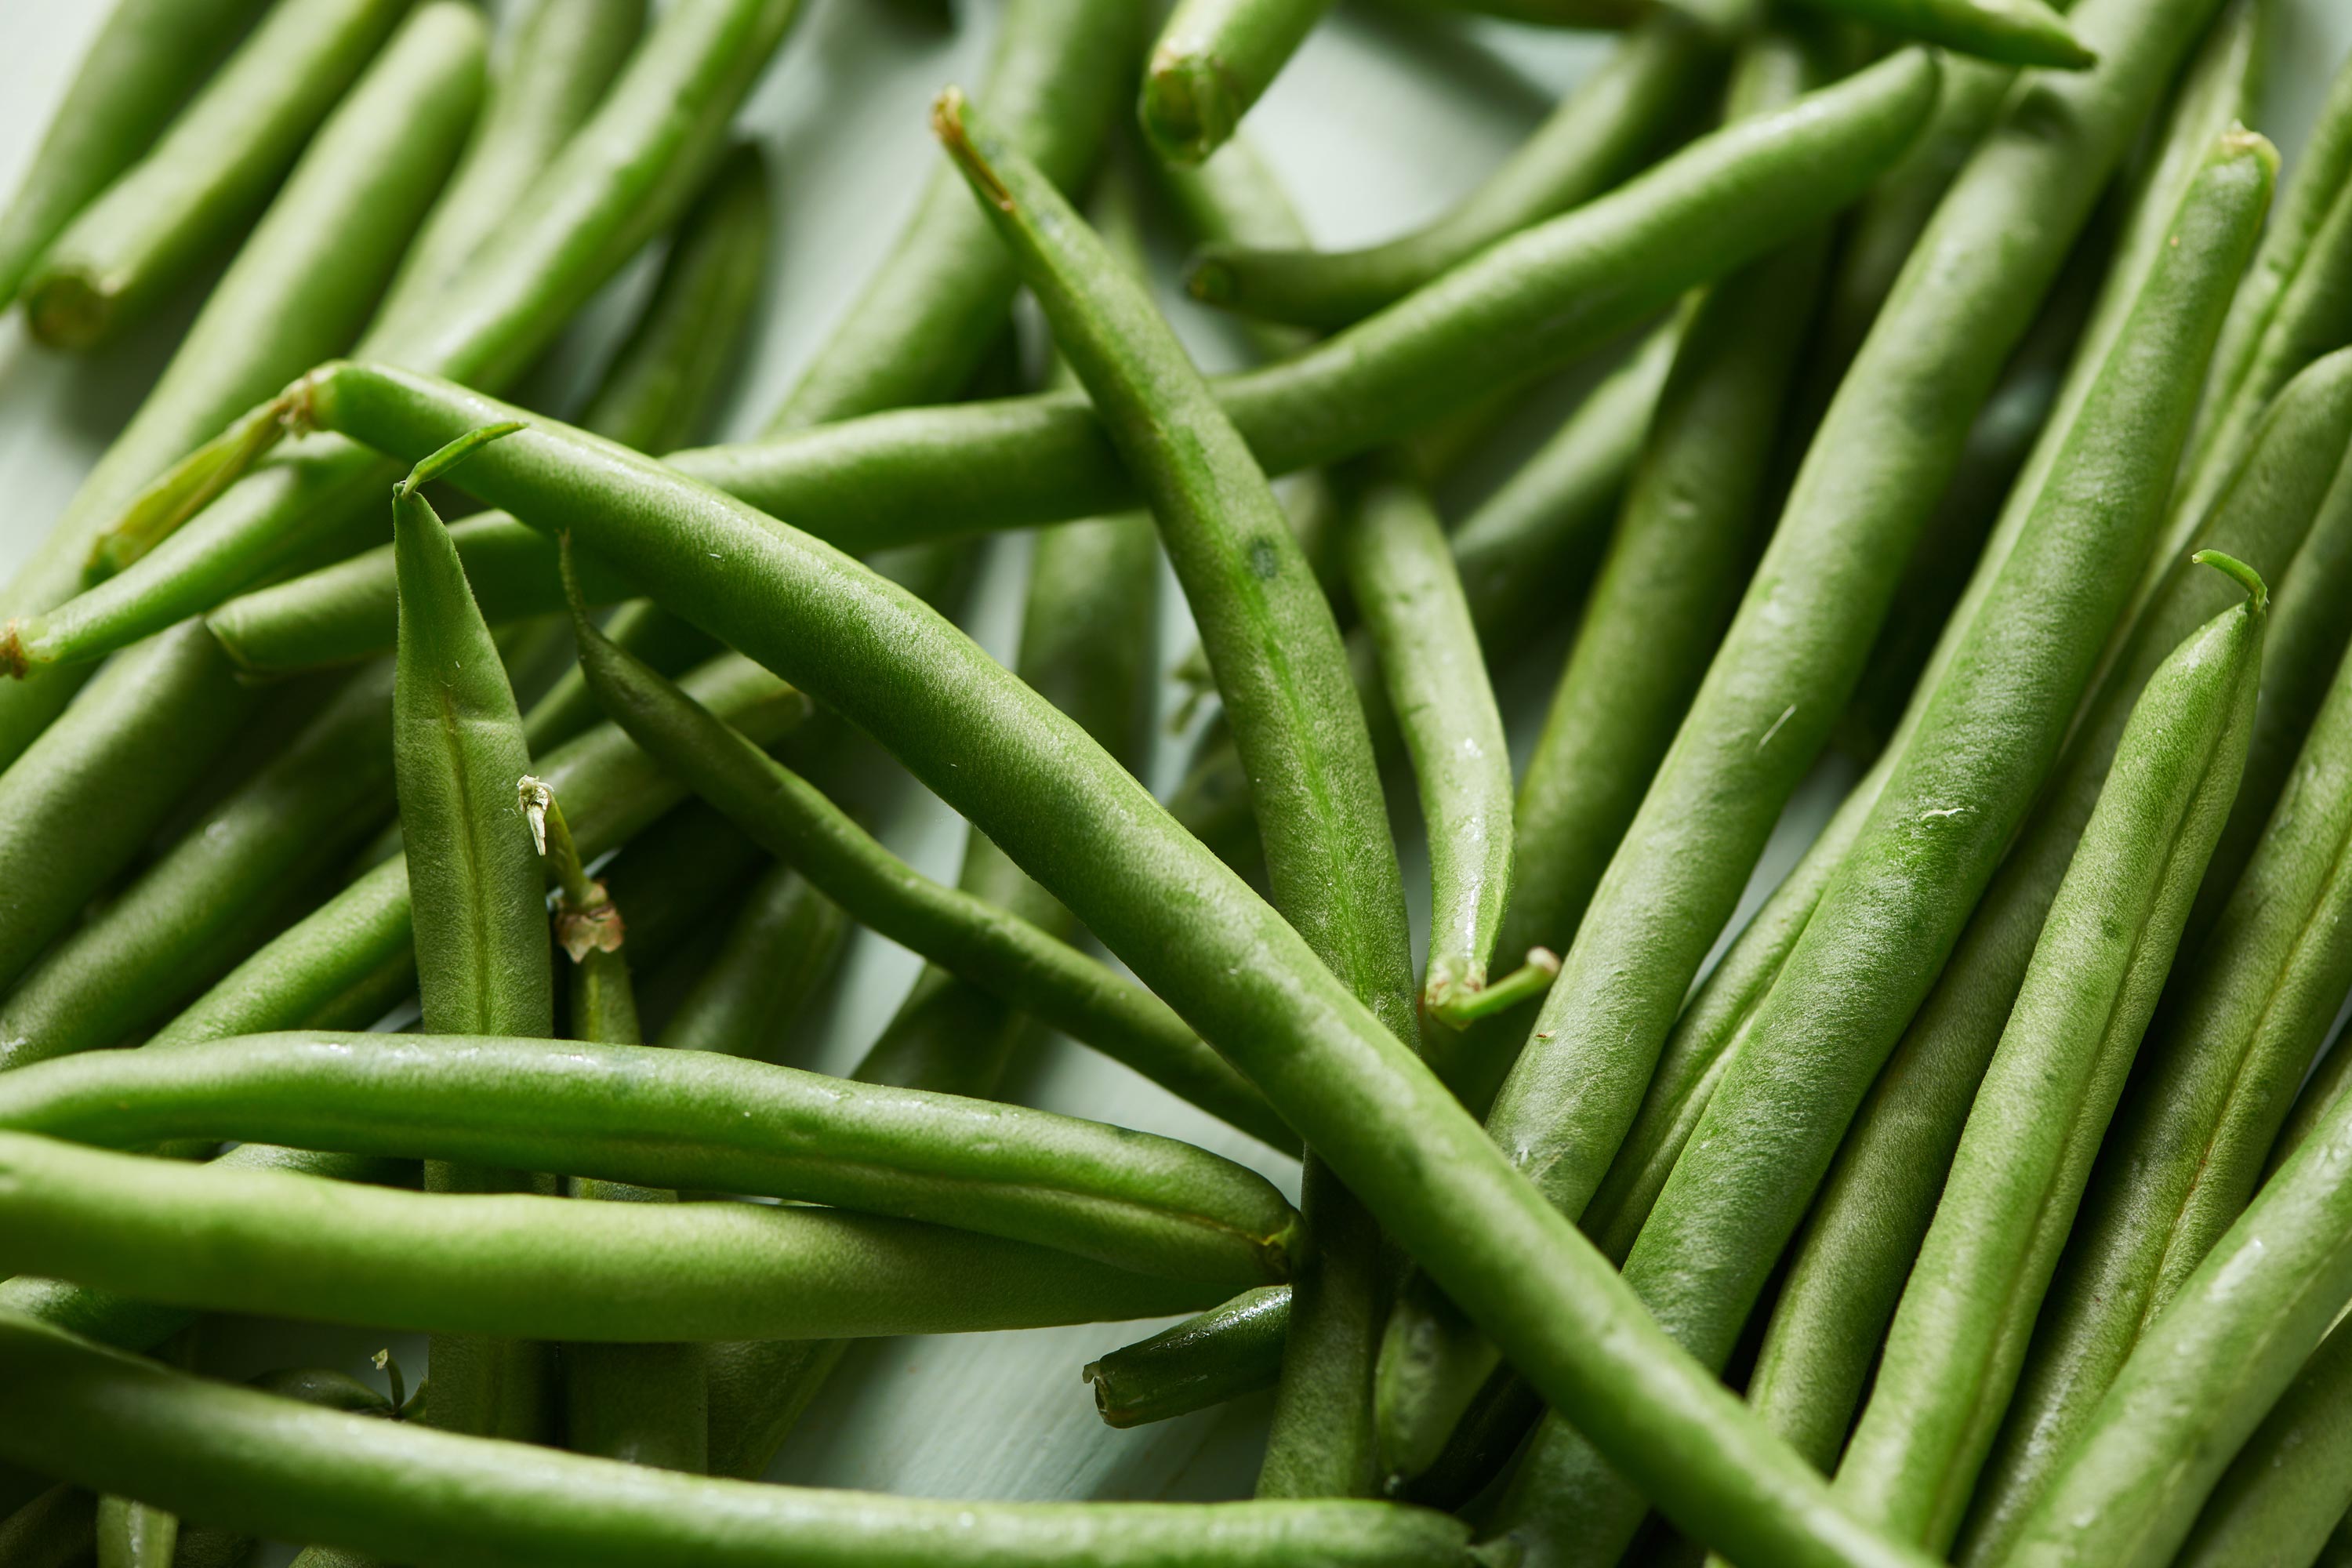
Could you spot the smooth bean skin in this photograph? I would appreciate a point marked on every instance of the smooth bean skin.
(987, 945)
(1231, 1349)
(2199, 1382)
(1210, 62)
(1657, 82)
(1876, 1203)
(146, 60)
(1094, 839)
(517, 1267)
(208, 174)
(2283, 1497)
(1890, 915)
(276, 1468)
(619, 1112)
(783, 944)
(2014, 32)
(1530, 303)
(1959, 1333)
(921, 325)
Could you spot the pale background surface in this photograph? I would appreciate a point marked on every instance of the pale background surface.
(1373, 130)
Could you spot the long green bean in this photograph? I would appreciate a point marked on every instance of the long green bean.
(1895, 905)
(2014, 32)
(209, 174)
(2285, 1495)
(1526, 305)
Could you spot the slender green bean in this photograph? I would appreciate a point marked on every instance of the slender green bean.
(1044, 793)
(1895, 905)
(2199, 1383)
(622, 1113)
(1877, 1204)
(1528, 304)
(410, 1494)
(149, 56)
(210, 173)
(2012, 32)
(783, 944)
(1606, 129)
(1282, 672)
(921, 325)
(1231, 1349)
(1959, 1333)
(1213, 59)
(1549, 13)
(2285, 1495)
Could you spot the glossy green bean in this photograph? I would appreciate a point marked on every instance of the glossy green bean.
(1213, 61)
(285, 1470)
(989, 946)
(2284, 1494)
(1528, 304)
(1604, 130)
(2199, 1383)
(1096, 839)
(619, 1112)
(1959, 1333)
(552, 68)
(924, 318)
(146, 60)
(1169, 1374)
(207, 177)
(1282, 672)
(1895, 906)
(1877, 1204)
(1410, 595)
(2014, 32)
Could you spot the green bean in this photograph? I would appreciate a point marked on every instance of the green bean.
(692, 1119)
(1877, 1204)
(553, 65)
(2014, 32)
(1549, 13)
(1045, 793)
(1411, 596)
(1167, 1375)
(1990, 733)
(2283, 1497)
(410, 1494)
(920, 326)
(1282, 672)
(2199, 1383)
(55, 1529)
(1689, 530)
(146, 60)
(1530, 303)
(209, 175)
(783, 943)
(526, 1267)
(1212, 61)
(1959, 1334)
(1601, 134)
(212, 897)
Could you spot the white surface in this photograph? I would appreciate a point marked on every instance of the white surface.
(1373, 133)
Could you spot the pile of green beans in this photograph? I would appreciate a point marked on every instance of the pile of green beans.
(448, 818)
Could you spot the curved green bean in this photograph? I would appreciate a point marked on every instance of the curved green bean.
(1879, 1197)
(147, 59)
(1213, 59)
(2199, 1383)
(621, 1112)
(1044, 793)
(208, 175)
(1606, 129)
(2014, 32)
(1891, 913)
(1231, 1349)
(410, 1494)
(1530, 303)
(2016, 1180)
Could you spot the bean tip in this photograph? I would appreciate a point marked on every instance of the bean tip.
(1209, 278)
(12, 662)
(2258, 592)
(1188, 109)
(950, 123)
(438, 463)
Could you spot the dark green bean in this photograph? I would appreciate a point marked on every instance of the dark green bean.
(1167, 1375)
(148, 58)
(1991, 731)
(1528, 304)
(410, 1494)
(55, 1529)
(2014, 32)
(1604, 130)
(210, 173)
(1047, 795)
(2017, 1177)
(783, 944)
